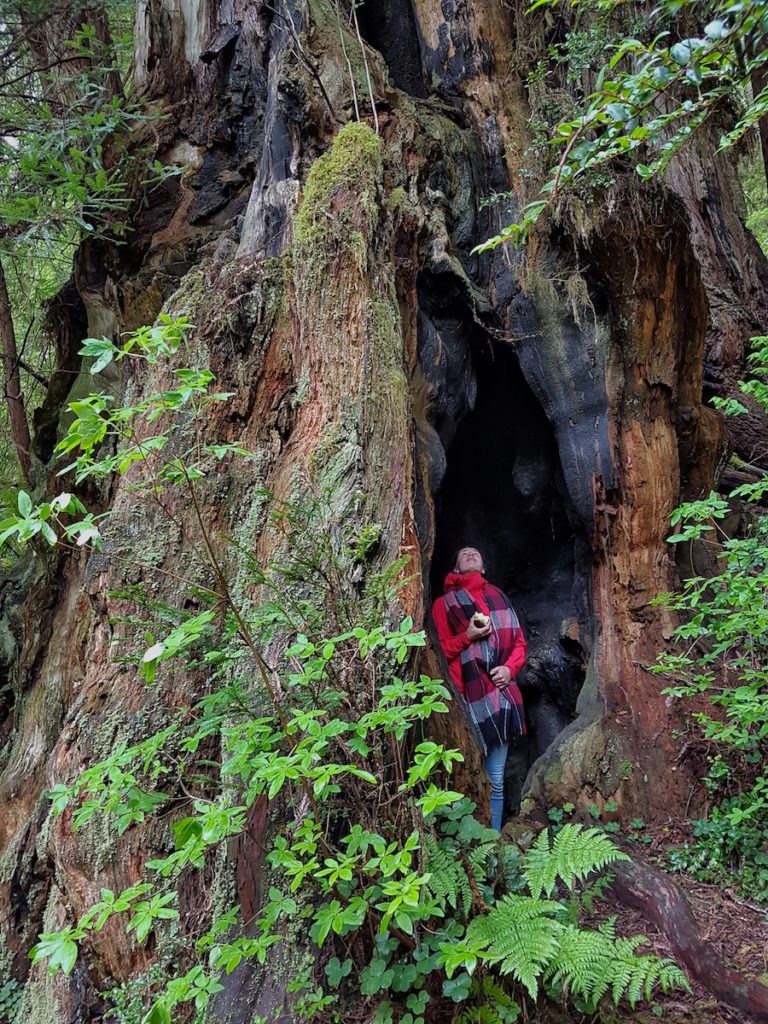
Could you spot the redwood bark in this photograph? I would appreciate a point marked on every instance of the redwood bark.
(564, 383)
(12, 381)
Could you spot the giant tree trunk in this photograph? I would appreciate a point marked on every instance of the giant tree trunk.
(12, 380)
(546, 407)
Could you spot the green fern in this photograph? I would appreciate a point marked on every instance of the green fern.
(635, 976)
(590, 963)
(574, 853)
(533, 939)
(520, 935)
(595, 889)
(448, 881)
(478, 858)
(583, 964)
(512, 868)
(496, 1007)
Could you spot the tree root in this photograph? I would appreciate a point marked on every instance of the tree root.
(661, 901)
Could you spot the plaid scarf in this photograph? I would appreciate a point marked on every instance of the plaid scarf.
(497, 714)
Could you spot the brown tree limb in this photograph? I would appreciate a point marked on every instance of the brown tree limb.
(638, 885)
(12, 381)
(24, 365)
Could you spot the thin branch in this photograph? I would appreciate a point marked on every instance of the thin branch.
(308, 64)
(29, 369)
(39, 70)
(365, 64)
(264, 669)
(349, 63)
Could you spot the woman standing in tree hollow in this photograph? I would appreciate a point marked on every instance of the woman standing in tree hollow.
(484, 646)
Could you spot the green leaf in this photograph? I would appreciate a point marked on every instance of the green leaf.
(104, 359)
(336, 971)
(58, 948)
(60, 796)
(457, 988)
(48, 533)
(186, 829)
(681, 53)
(159, 1014)
(154, 652)
(618, 111)
(716, 30)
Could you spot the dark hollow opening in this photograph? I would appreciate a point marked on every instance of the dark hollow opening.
(503, 492)
(391, 29)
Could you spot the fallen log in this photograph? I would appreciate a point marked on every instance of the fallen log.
(644, 888)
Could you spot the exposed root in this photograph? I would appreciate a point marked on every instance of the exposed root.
(660, 900)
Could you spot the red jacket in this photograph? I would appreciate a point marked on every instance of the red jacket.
(452, 644)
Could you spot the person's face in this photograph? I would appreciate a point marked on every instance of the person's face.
(469, 560)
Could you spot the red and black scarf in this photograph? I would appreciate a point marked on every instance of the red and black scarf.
(497, 714)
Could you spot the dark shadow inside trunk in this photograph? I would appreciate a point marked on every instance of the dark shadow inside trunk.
(503, 492)
(391, 29)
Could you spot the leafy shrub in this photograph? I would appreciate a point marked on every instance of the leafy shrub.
(724, 634)
(653, 85)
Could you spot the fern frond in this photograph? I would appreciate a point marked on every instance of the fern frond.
(594, 890)
(497, 1007)
(478, 858)
(448, 880)
(590, 963)
(574, 853)
(520, 935)
(640, 974)
(583, 965)
(512, 867)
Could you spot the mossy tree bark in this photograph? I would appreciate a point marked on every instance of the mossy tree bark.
(546, 406)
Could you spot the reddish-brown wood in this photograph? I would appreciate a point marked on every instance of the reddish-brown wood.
(352, 355)
(639, 885)
(12, 381)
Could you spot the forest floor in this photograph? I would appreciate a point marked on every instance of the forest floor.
(734, 927)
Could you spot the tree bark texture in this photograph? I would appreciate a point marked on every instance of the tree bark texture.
(12, 381)
(545, 406)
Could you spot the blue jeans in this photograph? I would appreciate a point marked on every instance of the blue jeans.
(494, 765)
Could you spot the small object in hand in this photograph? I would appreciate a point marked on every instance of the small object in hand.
(480, 621)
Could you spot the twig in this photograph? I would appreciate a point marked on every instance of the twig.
(365, 64)
(30, 370)
(483, 906)
(349, 64)
(306, 61)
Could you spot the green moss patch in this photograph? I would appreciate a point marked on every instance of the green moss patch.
(340, 198)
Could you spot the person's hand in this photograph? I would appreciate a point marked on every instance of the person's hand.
(500, 676)
(478, 632)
